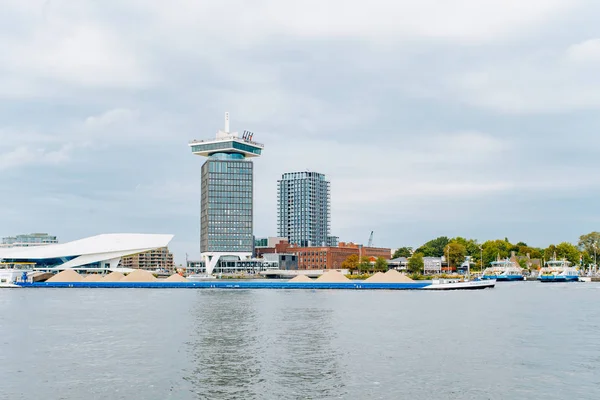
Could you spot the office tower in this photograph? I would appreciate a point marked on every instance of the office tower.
(226, 207)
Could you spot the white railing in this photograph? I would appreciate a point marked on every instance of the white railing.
(226, 139)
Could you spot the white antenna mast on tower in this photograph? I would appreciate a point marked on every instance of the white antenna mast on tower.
(226, 122)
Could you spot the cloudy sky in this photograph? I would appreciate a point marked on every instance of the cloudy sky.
(430, 117)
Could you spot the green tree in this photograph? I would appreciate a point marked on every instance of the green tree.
(381, 264)
(536, 253)
(434, 248)
(471, 246)
(494, 249)
(415, 263)
(587, 258)
(351, 263)
(364, 265)
(523, 263)
(563, 250)
(403, 252)
(456, 253)
(590, 243)
(550, 252)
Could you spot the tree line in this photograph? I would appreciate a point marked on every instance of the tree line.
(363, 264)
(456, 249)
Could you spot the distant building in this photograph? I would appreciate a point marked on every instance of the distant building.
(432, 265)
(97, 253)
(284, 261)
(303, 209)
(151, 260)
(400, 263)
(227, 265)
(226, 198)
(326, 257)
(333, 241)
(31, 239)
(268, 241)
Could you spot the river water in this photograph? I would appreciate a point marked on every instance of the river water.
(517, 341)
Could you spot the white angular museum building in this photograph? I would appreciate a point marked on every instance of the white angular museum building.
(96, 253)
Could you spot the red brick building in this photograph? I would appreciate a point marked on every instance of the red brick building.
(323, 257)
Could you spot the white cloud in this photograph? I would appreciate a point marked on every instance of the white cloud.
(385, 99)
(585, 52)
(563, 81)
(28, 156)
(64, 43)
(455, 20)
(111, 118)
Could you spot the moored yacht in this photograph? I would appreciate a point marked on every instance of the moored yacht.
(558, 271)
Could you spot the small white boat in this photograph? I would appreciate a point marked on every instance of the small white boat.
(7, 285)
(455, 284)
(10, 276)
(585, 279)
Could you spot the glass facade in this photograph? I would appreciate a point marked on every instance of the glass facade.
(303, 210)
(226, 204)
(32, 239)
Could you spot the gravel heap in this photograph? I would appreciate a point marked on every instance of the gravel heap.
(300, 278)
(139, 275)
(332, 277)
(68, 275)
(176, 278)
(113, 277)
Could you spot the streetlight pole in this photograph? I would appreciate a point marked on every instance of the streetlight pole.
(595, 265)
(448, 261)
(481, 260)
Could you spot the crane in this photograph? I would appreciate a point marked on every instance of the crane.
(370, 240)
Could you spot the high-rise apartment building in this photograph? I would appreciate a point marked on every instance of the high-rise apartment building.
(303, 209)
(226, 203)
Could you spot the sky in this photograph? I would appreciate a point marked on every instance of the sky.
(458, 117)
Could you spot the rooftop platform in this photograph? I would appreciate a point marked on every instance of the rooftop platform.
(230, 143)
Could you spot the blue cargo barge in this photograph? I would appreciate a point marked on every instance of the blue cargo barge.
(230, 285)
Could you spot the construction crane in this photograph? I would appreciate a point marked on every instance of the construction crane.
(370, 240)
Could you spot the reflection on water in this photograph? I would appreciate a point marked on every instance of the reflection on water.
(306, 362)
(518, 341)
(224, 346)
(259, 344)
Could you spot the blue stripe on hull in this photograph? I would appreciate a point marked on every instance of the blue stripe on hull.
(570, 278)
(227, 284)
(507, 278)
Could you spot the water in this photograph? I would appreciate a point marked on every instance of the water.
(520, 340)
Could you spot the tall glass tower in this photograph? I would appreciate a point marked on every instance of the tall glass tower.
(226, 195)
(303, 209)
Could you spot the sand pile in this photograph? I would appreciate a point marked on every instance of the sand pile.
(68, 275)
(113, 277)
(300, 278)
(176, 278)
(93, 278)
(379, 277)
(332, 276)
(139, 275)
(394, 276)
